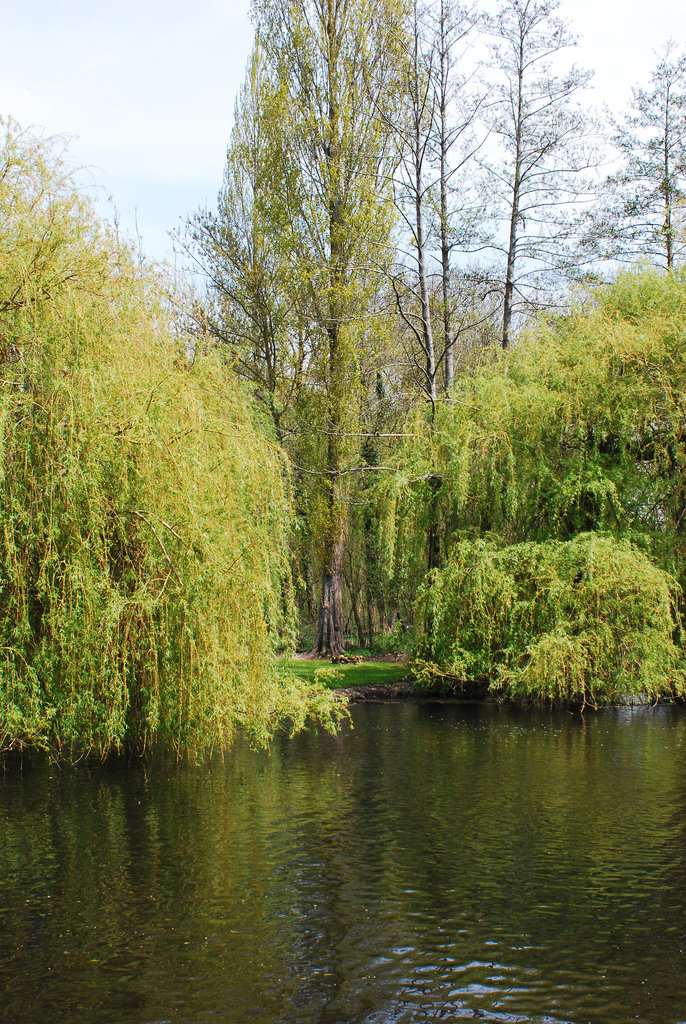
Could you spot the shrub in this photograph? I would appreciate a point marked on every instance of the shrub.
(588, 620)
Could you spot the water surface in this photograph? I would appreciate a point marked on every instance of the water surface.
(433, 863)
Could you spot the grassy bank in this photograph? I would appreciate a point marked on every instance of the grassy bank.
(367, 673)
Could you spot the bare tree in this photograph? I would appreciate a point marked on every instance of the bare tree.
(435, 142)
(641, 200)
(413, 130)
(543, 131)
(457, 109)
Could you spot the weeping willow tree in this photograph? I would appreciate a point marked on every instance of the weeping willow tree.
(145, 520)
(585, 621)
(579, 430)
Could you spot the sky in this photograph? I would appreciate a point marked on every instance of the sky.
(145, 89)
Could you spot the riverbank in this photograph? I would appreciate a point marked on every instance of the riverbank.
(388, 678)
(399, 690)
(365, 676)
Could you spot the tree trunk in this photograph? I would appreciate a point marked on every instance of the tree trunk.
(354, 594)
(424, 296)
(419, 144)
(669, 240)
(330, 642)
(516, 195)
(434, 541)
(370, 620)
(330, 636)
(445, 244)
(509, 279)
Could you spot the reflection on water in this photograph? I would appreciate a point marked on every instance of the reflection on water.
(434, 863)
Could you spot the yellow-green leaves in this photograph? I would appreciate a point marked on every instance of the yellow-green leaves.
(144, 575)
(578, 432)
(588, 620)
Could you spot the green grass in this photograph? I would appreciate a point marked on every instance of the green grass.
(368, 673)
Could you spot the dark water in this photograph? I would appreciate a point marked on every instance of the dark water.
(435, 863)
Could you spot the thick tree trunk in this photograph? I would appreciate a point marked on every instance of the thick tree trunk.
(330, 641)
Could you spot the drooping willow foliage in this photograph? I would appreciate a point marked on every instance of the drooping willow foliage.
(580, 429)
(144, 582)
(581, 621)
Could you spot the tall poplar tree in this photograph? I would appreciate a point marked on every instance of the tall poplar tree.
(254, 301)
(334, 61)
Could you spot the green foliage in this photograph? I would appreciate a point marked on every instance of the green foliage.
(295, 253)
(145, 521)
(587, 620)
(580, 429)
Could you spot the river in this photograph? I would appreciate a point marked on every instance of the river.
(434, 862)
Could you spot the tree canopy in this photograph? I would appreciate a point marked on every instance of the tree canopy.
(562, 469)
(377, 178)
(144, 574)
(362, 420)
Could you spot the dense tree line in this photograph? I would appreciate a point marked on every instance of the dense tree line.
(145, 516)
(408, 186)
(416, 402)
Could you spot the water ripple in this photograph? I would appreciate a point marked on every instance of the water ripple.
(432, 864)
